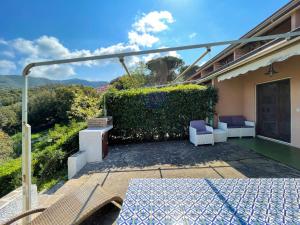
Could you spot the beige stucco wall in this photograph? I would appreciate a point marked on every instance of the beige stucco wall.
(230, 97)
(238, 95)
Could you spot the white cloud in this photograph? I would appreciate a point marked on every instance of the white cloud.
(192, 35)
(157, 55)
(174, 54)
(145, 40)
(202, 63)
(49, 48)
(3, 42)
(153, 22)
(120, 47)
(9, 54)
(23, 46)
(150, 57)
(54, 71)
(7, 67)
(143, 29)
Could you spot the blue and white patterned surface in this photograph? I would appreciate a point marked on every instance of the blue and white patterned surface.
(211, 201)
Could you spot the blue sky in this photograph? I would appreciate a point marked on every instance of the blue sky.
(35, 30)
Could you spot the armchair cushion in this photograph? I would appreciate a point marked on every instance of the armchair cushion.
(226, 119)
(199, 125)
(247, 126)
(233, 126)
(238, 120)
(203, 132)
(233, 121)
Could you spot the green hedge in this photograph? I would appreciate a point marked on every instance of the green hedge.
(10, 176)
(61, 142)
(149, 114)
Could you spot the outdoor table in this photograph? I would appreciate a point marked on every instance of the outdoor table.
(212, 201)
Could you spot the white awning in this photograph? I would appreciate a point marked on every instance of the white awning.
(278, 56)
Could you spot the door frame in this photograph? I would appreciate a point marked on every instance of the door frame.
(291, 128)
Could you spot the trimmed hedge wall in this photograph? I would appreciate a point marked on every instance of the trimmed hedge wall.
(62, 141)
(151, 114)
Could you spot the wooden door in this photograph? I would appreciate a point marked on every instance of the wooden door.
(274, 110)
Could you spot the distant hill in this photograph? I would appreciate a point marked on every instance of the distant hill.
(16, 81)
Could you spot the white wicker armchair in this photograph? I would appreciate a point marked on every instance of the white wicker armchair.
(237, 126)
(200, 134)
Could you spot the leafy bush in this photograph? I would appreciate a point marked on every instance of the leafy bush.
(49, 105)
(60, 142)
(9, 96)
(10, 176)
(158, 113)
(6, 146)
(135, 80)
(54, 157)
(10, 118)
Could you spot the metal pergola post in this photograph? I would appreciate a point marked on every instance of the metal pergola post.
(121, 59)
(26, 153)
(26, 137)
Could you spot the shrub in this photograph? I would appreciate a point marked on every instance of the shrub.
(54, 157)
(149, 114)
(49, 105)
(10, 118)
(6, 146)
(61, 142)
(10, 176)
(134, 80)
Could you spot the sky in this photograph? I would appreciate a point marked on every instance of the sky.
(35, 30)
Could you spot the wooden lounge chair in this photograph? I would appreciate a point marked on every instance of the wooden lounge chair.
(73, 208)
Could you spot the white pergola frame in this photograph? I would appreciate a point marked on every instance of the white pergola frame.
(26, 130)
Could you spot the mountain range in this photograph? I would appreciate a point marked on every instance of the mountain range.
(16, 81)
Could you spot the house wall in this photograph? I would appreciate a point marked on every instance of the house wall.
(238, 95)
(230, 97)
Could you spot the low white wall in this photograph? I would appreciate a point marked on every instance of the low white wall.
(11, 204)
(76, 162)
(90, 141)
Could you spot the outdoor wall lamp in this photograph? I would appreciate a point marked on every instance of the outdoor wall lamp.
(271, 71)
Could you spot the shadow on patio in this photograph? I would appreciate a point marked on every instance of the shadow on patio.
(167, 156)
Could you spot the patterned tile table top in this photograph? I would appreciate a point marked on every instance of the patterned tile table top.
(211, 201)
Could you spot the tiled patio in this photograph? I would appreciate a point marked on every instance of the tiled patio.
(178, 159)
(173, 159)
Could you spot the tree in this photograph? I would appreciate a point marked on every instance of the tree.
(10, 118)
(136, 79)
(189, 73)
(163, 69)
(127, 82)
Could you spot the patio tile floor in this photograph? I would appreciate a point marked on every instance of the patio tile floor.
(190, 173)
(172, 159)
(117, 182)
(181, 154)
(280, 152)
